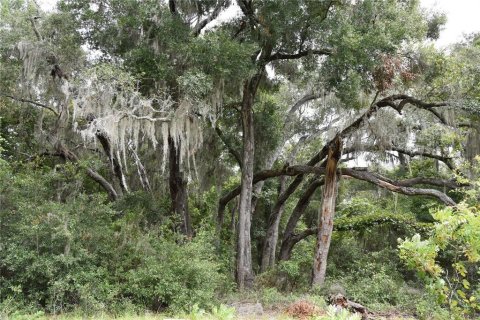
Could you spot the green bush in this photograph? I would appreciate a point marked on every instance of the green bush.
(81, 254)
(177, 276)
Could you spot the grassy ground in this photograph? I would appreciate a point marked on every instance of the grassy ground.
(224, 313)
(265, 305)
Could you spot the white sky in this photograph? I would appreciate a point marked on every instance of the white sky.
(463, 17)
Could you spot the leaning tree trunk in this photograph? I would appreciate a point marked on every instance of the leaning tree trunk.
(288, 240)
(178, 188)
(244, 252)
(114, 160)
(327, 212)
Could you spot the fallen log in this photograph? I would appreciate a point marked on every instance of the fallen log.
(339, 300)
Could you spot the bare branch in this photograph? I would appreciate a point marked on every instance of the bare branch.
(300, 54)
(302, 101)
(38, 104)
(447, 160)
(35, 29)
(70, 156)
(202, 24)
(395, 187)
(233, 152)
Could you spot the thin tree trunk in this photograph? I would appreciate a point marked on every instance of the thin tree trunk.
(327, 212)
(178, 188)
(244, 254)
(271, 239)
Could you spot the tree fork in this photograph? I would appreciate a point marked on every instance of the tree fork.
(288, 234)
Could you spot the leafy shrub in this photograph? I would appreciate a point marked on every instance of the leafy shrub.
(177, 276)
(456, 234)
(80, 253)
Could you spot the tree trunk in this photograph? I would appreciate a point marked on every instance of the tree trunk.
(327, 212)
(271, 239)
(114, 161)
(244, 254)
(178, 188)
(302, 204)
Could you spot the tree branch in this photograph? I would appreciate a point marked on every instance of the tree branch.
(247, 10)
(35, 29)
(70, 156)
(395, 187)
(300, 54)
(297, 213)
(38, 104)
(402, 187)
(306, 98)
(201, 24)
(114, 161)
(406, 99)
(447, 160)
(233, 152)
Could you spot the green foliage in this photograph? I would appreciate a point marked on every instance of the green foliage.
(293, 274)
(58, 256)
(335, 314)
(177, 276)
(456, 237)
(361, 36)
(369, 278)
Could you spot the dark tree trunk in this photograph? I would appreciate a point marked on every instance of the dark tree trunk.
(327, 212)
(178, 188)
(114, 160)
(288, 240)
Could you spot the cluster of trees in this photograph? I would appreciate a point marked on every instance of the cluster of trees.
(246, 110)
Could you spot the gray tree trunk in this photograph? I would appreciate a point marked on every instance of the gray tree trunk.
(271, 238)
(244, 254)
(326, 213)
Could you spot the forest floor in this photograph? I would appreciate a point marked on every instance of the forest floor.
(251, 306)
(267, 316)
(300, 309)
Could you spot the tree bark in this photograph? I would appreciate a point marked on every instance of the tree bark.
(244, 270)
(114, 161)
(288, 235)
(271, 238)
(327, 212)
(178, 188)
